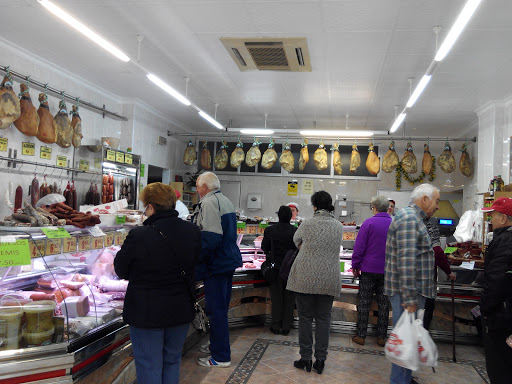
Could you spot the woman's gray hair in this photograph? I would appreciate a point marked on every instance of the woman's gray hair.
(209, 179)
(423, 190)
(381, 203)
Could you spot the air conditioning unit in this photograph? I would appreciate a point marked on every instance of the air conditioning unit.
(161, 140)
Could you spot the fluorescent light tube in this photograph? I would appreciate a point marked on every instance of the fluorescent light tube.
(167, 88)
(344, 133)
(71, 21)
(419, 90)
(256, 131)
(457, 29)
(210, 119)
(397, 122)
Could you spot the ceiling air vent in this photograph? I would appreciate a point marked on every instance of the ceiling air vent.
(269, 54)
(161, 140)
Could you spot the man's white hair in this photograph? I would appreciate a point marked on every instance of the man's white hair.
(423, 190)
(210, 180)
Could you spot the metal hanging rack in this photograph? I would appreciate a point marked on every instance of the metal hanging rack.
(12, 162)
(88, 105)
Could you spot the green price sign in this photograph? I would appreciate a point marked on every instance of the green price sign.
(55, 233)
(263, 225)
(240, 225)
(142, 169)
(450, 249)
(14, 253)
(342, 266)
(121, 219)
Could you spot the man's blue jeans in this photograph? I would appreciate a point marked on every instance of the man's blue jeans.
(158, 353)
(401, 375)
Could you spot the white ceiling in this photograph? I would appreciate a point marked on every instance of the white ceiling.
(362, 53)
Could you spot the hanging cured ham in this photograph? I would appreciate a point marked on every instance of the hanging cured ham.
(372, 161)
(465, 166)
(320, 157)
(391, 160)
(63, 126)
(28, 122)
(304, 155)
(287, 161)
(336, 158)
(253, 156)
(9, 104)
(426, 164)
(269, 157)
(46, 132)
(355, 159)
(190, 155)
(221, 157)
(238, 155)
(409, 162)
(446, 160)
(206, 157)
(76, 126)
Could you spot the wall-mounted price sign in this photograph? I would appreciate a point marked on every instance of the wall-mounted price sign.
(119, 157)
(28, 149)
(69, 245)
(37, 249)
(84, 165)
(84, 243)
(111, 155)
(62, 161)
(14, 253)
(109, 239)
(128, 158)
(45, 153)
(97, 243)
(3, 144)
(97, 163)
(53, 246)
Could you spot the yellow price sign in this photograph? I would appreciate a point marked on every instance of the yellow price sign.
(53, 246)
(118, 239)
(62, 161)
(97, 243)
(3, 144)
(84, 165)
(37, 249)
(111, 155)
(119, 157)
(109, 239)
(251, 229)
(292, 188)
(28, 149)
(69, 245)
(84, 243)
(97, 163)
(128, 158)
(45, 153)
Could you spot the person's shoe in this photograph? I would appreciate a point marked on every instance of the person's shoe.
(205, 348)
(274, 331)
(381, 342)
(301, 364)
(319, 365)
(210, 362)
(358, 340)
(285, 333)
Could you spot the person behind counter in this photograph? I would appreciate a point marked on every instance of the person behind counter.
(391, 209)
(158, 260)
(180, 207)
(220, 256)
(295, 210)
(316, 279)
(277, 241)
(368, 261)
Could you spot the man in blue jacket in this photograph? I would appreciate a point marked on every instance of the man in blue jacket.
(220, 256)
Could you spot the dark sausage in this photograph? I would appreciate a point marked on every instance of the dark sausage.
(18, 198)
(34, 197)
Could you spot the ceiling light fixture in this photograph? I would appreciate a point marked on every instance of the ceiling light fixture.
(167, 88)
(457, 28)
(210, 119)
(257, 131)
(419, 90)
(71, 21)
(336, 133)
(397, 122)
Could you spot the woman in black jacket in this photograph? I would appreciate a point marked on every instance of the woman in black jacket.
(158, 259)
(277, 240)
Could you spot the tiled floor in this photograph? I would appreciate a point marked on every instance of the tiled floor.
(260, 357)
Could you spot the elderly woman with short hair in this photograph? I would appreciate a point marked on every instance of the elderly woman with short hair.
(368, 261)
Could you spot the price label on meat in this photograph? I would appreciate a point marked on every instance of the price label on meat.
(240, 228)
(55, 232)
(3, 144)
(45, 153)
(84, 243)
(111, 155)
(37, 248)
(119, 157)
(251, 229)
(118, 239)
(53, 246)
(28, 149)
(62, 161)
(109, 239)
(14, 253)
(69, 245)
(128, 159)
(84, 165)
(97, 243)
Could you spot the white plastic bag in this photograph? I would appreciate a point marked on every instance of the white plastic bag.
(402, 345)
(427, 349)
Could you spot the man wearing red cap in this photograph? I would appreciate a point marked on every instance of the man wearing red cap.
(496, 299)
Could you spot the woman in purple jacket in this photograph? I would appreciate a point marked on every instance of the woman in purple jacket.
(368, 262)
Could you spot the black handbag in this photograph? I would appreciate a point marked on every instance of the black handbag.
(288, 261)
(268, 268)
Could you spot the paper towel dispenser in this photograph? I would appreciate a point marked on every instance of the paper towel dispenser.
(254, 201)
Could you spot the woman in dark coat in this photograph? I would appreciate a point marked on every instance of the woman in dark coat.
(158, 259)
